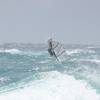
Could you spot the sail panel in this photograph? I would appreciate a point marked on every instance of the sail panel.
(59, 51)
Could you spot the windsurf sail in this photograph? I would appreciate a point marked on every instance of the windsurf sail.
(56, 50)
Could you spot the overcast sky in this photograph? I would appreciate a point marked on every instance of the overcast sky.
(32, 21)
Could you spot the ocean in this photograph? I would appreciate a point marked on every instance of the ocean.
(27, 72)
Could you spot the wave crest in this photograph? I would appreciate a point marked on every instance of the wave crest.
(12, 51)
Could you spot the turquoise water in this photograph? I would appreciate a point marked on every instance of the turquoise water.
(27, 72)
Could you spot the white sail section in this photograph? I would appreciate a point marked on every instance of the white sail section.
(59, 51)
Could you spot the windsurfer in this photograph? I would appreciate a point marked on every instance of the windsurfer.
(50, 49)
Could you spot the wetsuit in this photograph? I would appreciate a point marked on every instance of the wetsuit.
(50, 50)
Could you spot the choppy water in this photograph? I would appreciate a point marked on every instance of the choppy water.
(28, 73)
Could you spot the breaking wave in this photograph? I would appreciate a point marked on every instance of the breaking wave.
(53, 86)
(12, 51)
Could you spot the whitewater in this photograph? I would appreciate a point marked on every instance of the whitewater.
(27, 72)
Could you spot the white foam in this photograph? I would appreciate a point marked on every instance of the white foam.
(95, 60)
(91, 60)
(12, 51)
(73, 51)
(53, 86)
(69, 52)
(2, 79)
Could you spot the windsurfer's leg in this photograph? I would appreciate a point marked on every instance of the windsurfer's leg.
(50, 52)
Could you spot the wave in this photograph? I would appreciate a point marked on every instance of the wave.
(3, 79)
(76, 51)
(72, 51)
(53, 86)
(97, 61)
(12, 51)
(17, 51)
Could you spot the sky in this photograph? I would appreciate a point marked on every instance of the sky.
(33, 21)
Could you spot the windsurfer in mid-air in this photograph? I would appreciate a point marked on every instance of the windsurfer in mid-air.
(56, 50)
(50, 49)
